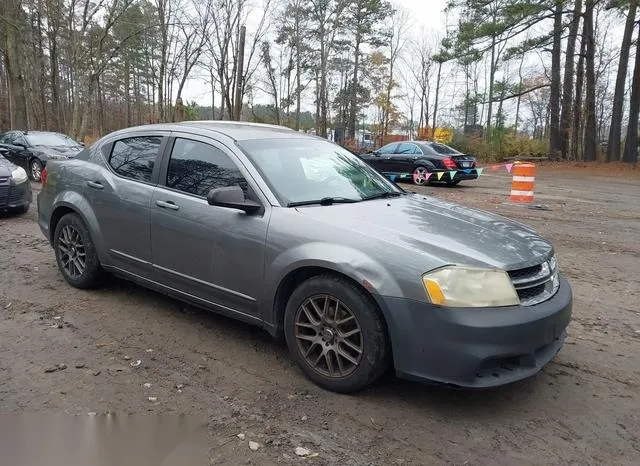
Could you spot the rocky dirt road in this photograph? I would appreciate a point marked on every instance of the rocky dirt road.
(584, 408)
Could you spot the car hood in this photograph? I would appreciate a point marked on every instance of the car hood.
(6, 167)
(62, 151)
(446, 232)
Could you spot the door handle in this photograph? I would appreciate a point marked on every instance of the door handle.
(167, 205)
(95, 185)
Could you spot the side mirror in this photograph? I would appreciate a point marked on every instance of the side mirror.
(233, 198)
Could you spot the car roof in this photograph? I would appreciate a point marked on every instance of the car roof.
(236, 130)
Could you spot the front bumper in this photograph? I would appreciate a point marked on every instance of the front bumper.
(473, 347)
(15, 196)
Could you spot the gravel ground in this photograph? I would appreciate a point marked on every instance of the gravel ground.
(583, 408)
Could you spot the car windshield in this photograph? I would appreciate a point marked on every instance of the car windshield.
(50, 139)
(300, 170)
(444, 149)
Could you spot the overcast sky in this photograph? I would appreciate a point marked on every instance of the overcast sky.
(424, 13)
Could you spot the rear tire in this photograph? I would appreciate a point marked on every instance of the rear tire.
(419, 176)
(76, 254)
(336, 334)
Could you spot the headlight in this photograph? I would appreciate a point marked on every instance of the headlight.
(19, 175)
(459, 286)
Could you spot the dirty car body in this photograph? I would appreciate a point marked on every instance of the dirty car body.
(297, 235)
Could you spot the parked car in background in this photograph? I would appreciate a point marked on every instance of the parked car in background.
(15, 189)
(414, 159)
(297, 235)
(32, 150)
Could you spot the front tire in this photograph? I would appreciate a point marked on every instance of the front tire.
(76, 254)
(336, 334)
(35, 170)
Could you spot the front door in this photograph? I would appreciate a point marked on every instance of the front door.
(120, 195)
(212, 253)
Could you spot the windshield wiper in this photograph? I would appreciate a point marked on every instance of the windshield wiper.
(383, 195)
(323, 201)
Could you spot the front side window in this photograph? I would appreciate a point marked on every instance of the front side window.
(135, 157)
(388, 149)
(301, 169)
(197, 168)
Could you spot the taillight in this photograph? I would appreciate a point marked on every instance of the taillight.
(449, 163)
(43, 176)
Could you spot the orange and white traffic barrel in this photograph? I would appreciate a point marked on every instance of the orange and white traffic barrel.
(523, 182)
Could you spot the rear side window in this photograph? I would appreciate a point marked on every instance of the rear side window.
(444, 150)
(135, 157)
(196, 168)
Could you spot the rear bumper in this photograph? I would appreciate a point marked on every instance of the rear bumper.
(459, 175)
(476, 348)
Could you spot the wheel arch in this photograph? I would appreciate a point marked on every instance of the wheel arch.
(368, 276)
(72, 202)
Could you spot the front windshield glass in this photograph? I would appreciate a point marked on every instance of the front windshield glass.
(50, 139)
(302, 169)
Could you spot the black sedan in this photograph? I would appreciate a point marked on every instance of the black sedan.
(414, 160)
(15, 189)
(31, 149)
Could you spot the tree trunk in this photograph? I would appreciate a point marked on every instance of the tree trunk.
(435, 104)
(576, 128)
(567, 88)
(127, 86)
(492, 75)
(555, 138)
(615, 131)
(298, 87)
(353, 95)
(590, 152)
(13, 57)
(631, 145)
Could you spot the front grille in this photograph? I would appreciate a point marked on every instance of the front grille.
(15, 196)
(4, 191)
(536, 283)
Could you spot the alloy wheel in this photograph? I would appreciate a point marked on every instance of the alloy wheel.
(420, 175)
(36, 170)
(328, 336)
(72, 252)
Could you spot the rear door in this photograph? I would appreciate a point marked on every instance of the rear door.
(213, 253)
(120, 194)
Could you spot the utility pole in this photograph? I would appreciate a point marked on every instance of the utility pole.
(238, 98)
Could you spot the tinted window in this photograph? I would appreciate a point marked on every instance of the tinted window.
(427, 150)
(443, 149)
(404, 148)
(196, 168)
(388, 149)
(135, 157)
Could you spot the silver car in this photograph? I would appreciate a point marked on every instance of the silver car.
(303, 238)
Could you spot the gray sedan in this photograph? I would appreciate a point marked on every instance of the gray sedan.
(299, 236)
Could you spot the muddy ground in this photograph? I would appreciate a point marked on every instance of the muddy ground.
(583, 408)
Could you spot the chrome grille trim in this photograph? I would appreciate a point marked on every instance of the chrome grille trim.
(536, 284)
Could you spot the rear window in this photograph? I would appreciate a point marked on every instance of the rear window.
(135, 157)
(443, 149)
